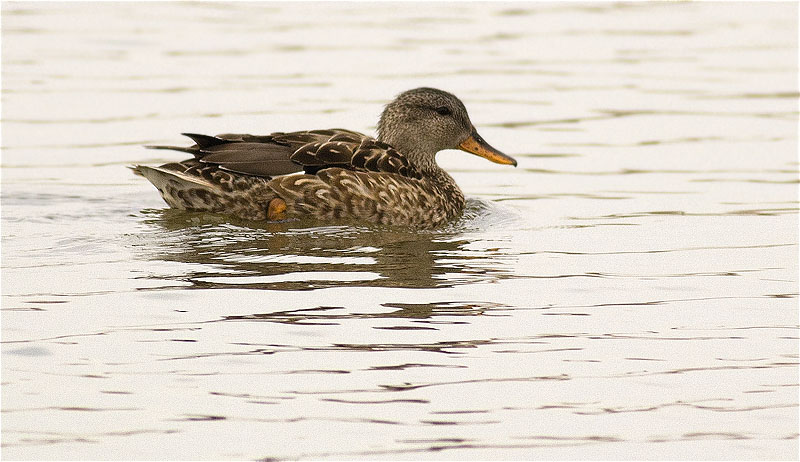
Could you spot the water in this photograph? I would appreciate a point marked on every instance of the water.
(629, 291)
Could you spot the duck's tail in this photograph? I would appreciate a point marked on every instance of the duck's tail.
(188, 185)
(137, 169)
(179, 189)
(172, 173)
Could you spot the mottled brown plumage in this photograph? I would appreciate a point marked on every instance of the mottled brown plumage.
(332, 174)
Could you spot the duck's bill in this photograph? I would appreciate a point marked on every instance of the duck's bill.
(476, 145)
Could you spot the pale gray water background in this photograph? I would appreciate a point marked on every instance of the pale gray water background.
(630, 291)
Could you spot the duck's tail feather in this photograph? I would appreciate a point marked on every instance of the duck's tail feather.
(136, 169)
(202, 143)
(191, 150)
(174, 173)
(206, 141)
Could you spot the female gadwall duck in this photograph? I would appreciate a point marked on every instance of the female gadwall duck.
(392, 180)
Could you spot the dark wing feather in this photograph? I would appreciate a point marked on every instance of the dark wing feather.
(310, 151)
(260, 159)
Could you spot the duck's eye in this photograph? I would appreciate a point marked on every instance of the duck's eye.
(445, 111)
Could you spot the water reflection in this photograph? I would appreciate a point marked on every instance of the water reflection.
(223, 253)
(416, 312)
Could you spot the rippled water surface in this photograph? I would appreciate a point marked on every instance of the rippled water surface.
(629, 291)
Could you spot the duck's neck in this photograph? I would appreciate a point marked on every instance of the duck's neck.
(425, 163)
(423, 158)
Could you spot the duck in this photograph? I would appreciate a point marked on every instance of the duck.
(333, 174)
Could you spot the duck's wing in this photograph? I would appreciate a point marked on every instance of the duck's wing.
(309, 151)
(237, 153)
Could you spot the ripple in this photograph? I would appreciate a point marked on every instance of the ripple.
(417, 312)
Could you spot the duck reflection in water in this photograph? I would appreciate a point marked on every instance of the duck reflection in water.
(223, 253)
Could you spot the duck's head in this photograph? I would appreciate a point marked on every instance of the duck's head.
(423, 121)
